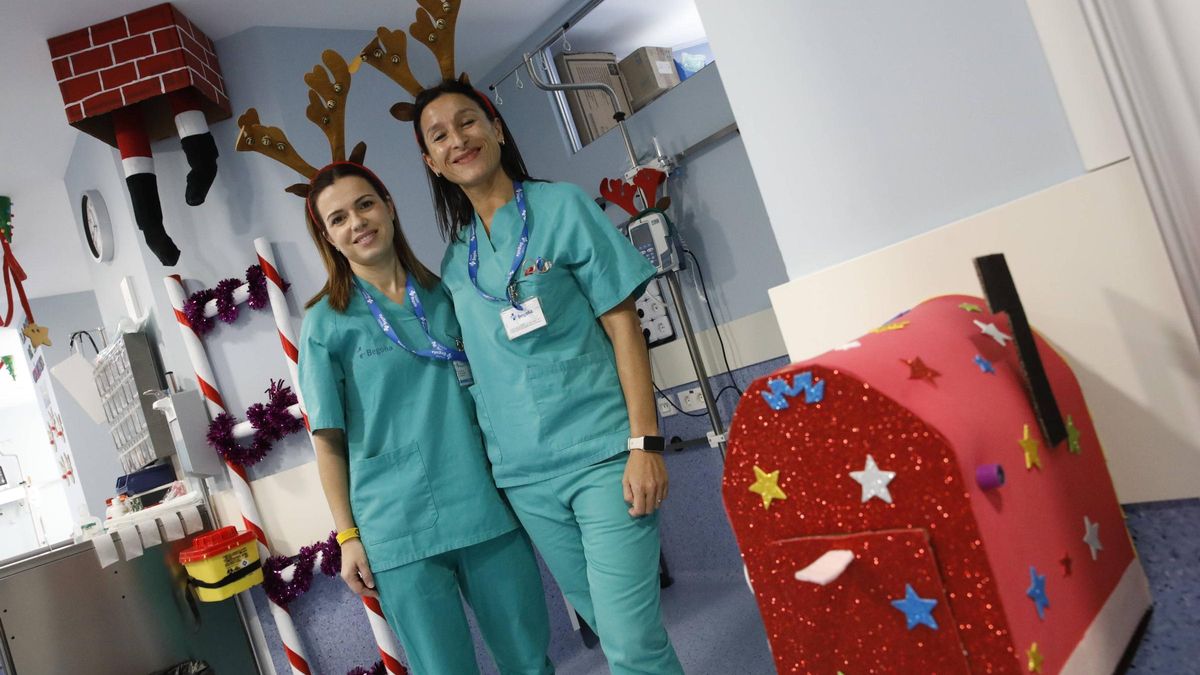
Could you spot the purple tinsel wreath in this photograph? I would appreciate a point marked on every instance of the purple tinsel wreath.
(283, 592)
(227, 309)
(271, 422)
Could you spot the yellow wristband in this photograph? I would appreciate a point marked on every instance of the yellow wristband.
(346, 535)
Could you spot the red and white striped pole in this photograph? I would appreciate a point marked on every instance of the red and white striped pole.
(292, 645)
(385, 639)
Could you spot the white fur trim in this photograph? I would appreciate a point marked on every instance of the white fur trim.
(191, 123)
(136, 165)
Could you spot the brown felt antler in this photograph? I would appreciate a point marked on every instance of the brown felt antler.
(388, 51)
(253, 136)
(328, 87)
(434, 28)
(327, 90)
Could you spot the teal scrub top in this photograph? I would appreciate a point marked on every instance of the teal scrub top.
(420, 483)
(549, 401)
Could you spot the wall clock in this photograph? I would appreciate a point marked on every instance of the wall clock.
(97, 230)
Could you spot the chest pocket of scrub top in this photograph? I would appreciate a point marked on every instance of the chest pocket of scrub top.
(577, 399)
(391, 496)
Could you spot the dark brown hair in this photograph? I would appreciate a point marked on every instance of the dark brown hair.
(453, 208)
(336, 264)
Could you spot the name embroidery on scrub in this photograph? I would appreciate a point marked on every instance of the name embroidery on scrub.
(436, 351)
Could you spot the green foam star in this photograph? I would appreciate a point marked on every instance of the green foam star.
(1073, 434)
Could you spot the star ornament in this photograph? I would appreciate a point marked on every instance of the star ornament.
(1030, 447)
(970, 307)
(985, 366)
(1065, 561)
(1091, 536)
(1073, 434)
(919, 371)
(873, 481)
(1037, 592)
(767, 485)
(990, 330)
(895, 325)
(1035, 658)
(917, 610)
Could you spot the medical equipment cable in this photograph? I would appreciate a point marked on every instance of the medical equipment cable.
(716, 328)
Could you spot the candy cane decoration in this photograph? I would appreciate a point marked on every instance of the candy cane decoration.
(385, 639)
(292, 645)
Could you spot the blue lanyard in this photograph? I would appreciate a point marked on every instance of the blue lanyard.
(510, 285)
(436, 350)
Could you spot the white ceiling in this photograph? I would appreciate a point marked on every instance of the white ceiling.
(622, 26)
(36, 141)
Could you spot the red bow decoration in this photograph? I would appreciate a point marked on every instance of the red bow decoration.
(13, 273)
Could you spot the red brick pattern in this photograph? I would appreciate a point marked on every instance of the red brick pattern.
(133, 58)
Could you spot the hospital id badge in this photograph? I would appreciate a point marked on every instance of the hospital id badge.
(518, 322)
(462, 370)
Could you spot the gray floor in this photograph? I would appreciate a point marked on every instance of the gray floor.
(709, 611)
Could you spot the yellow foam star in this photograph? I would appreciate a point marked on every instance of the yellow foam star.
(38, 335)
(1030, 446)
(970, 307)
(1035, 658)
(890, 326)
(767, 485)
(1073, 436)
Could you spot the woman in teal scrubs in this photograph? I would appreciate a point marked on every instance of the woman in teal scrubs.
(544, 289)
(400, 455)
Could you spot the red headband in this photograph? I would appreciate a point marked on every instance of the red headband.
(308, 201)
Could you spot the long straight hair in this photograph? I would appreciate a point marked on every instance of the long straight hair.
(450, 202)
(337, 287)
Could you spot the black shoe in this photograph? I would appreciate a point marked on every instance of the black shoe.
(147, 212)
(201, 153)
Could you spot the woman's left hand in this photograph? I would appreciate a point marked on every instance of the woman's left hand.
(645, 482)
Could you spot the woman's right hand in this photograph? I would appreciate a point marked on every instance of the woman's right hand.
(356, 571)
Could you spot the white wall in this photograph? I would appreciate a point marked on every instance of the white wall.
(1095, 282)
(870, 122)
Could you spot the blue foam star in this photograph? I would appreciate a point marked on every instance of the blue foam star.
(1037, 592)
(985, 366)
(916, 609)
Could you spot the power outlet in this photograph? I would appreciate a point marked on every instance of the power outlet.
(690, 400)
(665, 409)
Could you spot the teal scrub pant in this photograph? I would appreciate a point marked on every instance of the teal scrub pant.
(499, 579)
(605, 561)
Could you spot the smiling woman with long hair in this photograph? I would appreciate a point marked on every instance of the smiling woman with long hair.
(420, 521)
(544, 288)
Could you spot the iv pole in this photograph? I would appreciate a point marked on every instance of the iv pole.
(717, 436)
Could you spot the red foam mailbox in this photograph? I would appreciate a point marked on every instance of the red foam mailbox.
(898, 510)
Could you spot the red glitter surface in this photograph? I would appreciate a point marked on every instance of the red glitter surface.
(933, 435)
(815, 447)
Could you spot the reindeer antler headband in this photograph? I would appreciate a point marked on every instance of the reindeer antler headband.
(388, 51)
(329, 85)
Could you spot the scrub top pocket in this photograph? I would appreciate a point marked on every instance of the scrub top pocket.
(573, 395)
(391, 496)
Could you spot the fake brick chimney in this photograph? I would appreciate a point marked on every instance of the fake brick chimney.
(132, 59)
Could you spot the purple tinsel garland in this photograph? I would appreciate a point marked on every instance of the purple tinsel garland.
(227, 309)
(271, 422)
(283, 592)
(376, 669)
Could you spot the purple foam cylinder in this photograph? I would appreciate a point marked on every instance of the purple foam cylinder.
(989, 476)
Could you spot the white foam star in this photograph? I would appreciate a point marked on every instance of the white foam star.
(990, 330)
(849, 345)
(873, 481)
(1091, 536)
